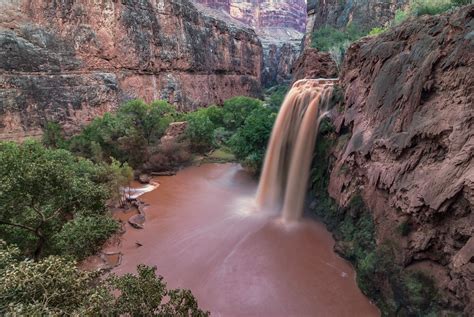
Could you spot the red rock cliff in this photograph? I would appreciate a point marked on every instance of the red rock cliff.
(407, 145)
(70, 61)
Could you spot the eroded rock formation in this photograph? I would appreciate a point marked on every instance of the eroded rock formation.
(363, 13)
(69, 61)
(407, 145)
(314, 64)
(280, 26)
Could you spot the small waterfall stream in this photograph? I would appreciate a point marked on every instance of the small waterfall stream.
(287, 164)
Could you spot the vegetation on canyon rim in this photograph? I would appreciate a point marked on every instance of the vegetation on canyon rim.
(336, 41)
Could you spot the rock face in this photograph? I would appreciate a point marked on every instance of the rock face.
(264, 13)
(314, 64)
(69, 61)
(279, 25)
(363, 13)
(409, 125)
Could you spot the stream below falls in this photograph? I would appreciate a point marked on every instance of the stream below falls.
(203, 232)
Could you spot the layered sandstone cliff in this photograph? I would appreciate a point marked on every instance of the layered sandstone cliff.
(70, 61)
(280, 26)
(406, 145)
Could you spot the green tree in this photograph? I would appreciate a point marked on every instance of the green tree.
(54, 286)
(200, 130)
(84, 235)
(250, 142)
(40, 189)
(237, 109)
(145, 294)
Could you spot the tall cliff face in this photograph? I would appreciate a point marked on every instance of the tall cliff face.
(70, 61)
(264, 13)
(363, 13)
(407, 145)
(279, 24)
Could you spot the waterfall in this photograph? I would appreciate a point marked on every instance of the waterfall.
(286, 169)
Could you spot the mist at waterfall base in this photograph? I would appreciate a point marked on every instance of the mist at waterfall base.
(206, 231)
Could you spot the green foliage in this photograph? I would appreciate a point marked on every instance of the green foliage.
(430, 7)
(41, 188)
(200, 130)
(54, 286)
(250, 141)
(328, 37)
(277, 95)
(376, 31)
(417, 294)
(50, 287)
(83, 236)
(53, 136)
(237, 109)
(400, 16)
(145, 294)
(125, 135)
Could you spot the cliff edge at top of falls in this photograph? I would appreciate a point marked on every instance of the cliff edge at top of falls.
(406, 144)
(70, 61)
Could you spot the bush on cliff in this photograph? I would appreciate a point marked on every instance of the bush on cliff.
(42, 189)
(54, 286)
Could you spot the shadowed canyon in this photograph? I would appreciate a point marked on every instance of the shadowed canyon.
(236, 158)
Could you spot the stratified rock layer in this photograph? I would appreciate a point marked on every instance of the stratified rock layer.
(408, 123)
(70, 61)
(363, 13)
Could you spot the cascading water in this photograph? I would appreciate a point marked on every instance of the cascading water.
(287, 164)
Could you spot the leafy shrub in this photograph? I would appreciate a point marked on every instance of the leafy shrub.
(237, 109)
(430, 7)
(54, 286)
(200, 130)
(84, 235)
(416, 293)
(328, 37)
(145, 294)
(376, 31)
(41, 188)
(277, 95)
(53, 136)
(250, 141)
(125, 135)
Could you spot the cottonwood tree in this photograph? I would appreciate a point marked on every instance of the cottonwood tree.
(41, 189)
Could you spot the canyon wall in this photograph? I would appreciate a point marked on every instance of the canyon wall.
(363, 13)
(70, 61)
(280, 26)
(406, 144)
(264, 13)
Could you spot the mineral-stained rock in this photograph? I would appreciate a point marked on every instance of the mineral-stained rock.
(409, 122)
(69, 61)
(314, 64)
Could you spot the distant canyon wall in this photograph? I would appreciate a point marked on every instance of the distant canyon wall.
(264, 13)
(280, 26)
(70, 61)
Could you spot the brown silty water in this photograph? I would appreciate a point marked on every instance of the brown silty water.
(285, 174)
(204, 232)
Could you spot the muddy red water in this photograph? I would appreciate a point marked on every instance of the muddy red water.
(203, 232)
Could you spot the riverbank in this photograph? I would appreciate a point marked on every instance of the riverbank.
(203, 233)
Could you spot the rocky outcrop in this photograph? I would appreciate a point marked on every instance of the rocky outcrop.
(69, 61)
(279, 25)
(407, 146)
(264, 13)
(314, 64)
(365, 14)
